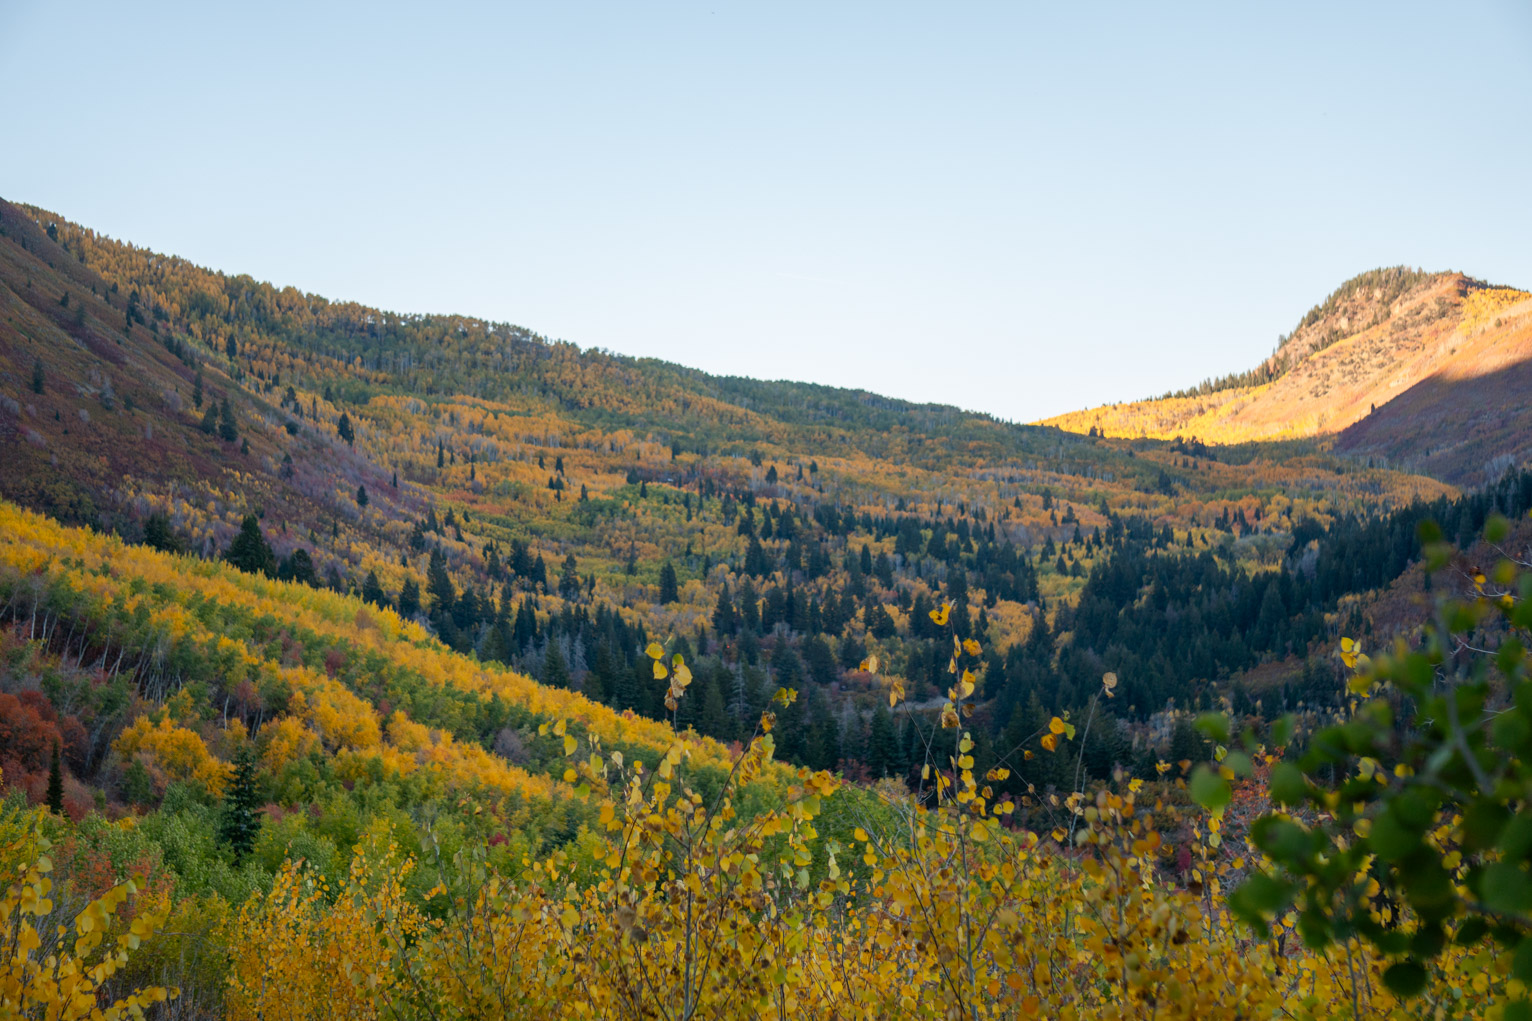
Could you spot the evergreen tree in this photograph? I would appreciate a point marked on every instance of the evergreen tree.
(210, 420)
(669, 587)
(344, 431)
(713, 718)
(555, 670)
(240, 821)
(226, 429)
(39, 377)
(158, 534)
(725, 620)
(409, 598)
(197, 390)
(372, 590)
(55, 783)
(882, 756)
(439, 583)
(361, 496)
(250, 552)
(569, 578)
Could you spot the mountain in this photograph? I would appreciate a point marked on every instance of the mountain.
(552, 510)
(415, 663)
(1424, 371)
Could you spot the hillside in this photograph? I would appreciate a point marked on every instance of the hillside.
(549, 508)
(1420, 371)
(416, 665)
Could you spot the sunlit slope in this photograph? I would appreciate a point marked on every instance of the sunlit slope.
(1447, 339)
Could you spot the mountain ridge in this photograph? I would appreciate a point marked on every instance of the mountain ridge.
(1386, 335)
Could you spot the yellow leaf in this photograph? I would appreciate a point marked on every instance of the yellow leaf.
(971, 647)
(655, 650)
(870, 665)
(660, 673)
(940, 616)
(1050, 741)
(570, 744)
(1056, 726)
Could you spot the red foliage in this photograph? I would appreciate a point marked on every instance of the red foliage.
(27, 734)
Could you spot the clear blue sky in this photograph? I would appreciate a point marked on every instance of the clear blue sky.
(1021, 208)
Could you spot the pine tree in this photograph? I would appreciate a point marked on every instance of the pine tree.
(197, 391)
(569, 579)
(372, 590)
(344, 431)
(250, 552)
(409, 598)
(240, 821)
(882, 744)
(361, 496)
(439, 583)
(226, 429)
(39, 377)
(55, 783)
(555, 670)
(669, 587)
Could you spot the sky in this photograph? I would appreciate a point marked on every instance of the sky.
(1019, 208)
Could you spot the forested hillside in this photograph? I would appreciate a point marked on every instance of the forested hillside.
(394, 635)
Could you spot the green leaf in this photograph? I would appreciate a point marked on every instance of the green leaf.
(1258, 899)
(1282, 730)
(1210, 790)
(1214, 727)
(1390, 840)
(1240, 763)
(1287, 784)
(1496, 528)
(1506, 888)
(1521, 963)
(1406, 978)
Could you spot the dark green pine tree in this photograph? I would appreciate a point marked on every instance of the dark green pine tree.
(882, 743)
(210, 421)
(439, 583)
(669, 587)
(344, 431)
(569, 578)
(250, 552)
(361, 496)
(555, 670)
(55, 783)
(39, 377)
(372, 590)
(197, 391)
(409, 598)
(240, 821)
(226, 429)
